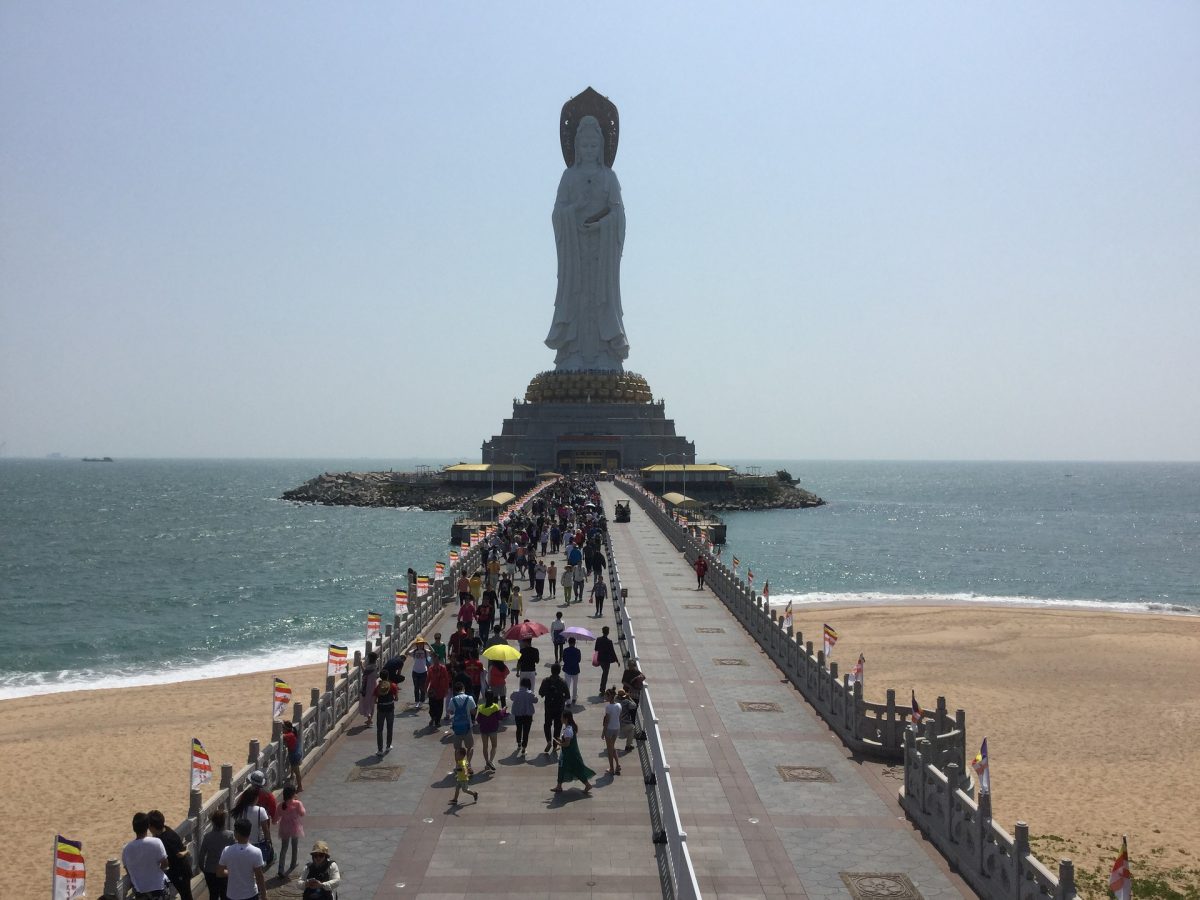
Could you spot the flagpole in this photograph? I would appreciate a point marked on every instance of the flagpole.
(54, 868)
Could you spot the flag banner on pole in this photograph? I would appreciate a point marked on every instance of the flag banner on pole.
(439, 570)
(283, 697)
(337, 660)
(831, 637)
(69, 870)
(980, 765)
(401, 601)
(750, 577)
(766, 594)
(474, 539)
(787, 615)
(466, 546)
(917, 713)
(453, 557)
(201, 764)
(373, 620)
(856, 677)
(1120, 879)
(736, 562)
(422, 585)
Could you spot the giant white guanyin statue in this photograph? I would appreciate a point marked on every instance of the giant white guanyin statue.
(589, 232)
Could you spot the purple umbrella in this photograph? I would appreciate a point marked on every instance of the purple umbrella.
(580, 634)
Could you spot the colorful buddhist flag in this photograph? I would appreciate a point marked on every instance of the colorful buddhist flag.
(736, 562)
(766, 595)
(465, 545)
(401, 601)
(283, 697)
(750, 577)
(453, 557)
(980, 765)
(787, 615)
(373, 621)
(1120, 879)
(201, 764)
(474, 539)
(831, 637)
(439, 570)
(856, 677)
(69, 871)
(338, 661)
(422, 585)
(917, 713)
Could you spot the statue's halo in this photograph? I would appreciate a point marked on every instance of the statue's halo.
(589, 103)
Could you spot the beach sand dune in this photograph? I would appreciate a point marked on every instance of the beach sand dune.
(1091, 720)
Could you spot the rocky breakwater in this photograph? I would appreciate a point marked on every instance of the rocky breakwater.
(398, 489)
(745, 493)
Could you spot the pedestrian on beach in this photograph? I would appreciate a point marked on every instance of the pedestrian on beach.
(242, 865)
(145, 860)
(462, 776)
(523, 702)
(612, 729)
(462, 709)
(179, 867)
(385, 711)
(218, 838)
(701, 571)
(605, 654)
(295, 754)
(420, 655)
(321, 875)
(555, 693)
(570, 761)
(557, 627)
(291, 827)
(249, 809)
(552, 577)
(366, 700)
(599, 592)
(487, 717)
(437, 686)
(571, 658)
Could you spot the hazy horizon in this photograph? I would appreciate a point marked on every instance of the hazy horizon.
(928, 232)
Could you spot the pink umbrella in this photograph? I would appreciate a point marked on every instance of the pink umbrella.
(581, 634)
(526, 631)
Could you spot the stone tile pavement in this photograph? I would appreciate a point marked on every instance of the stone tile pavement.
(773, 804)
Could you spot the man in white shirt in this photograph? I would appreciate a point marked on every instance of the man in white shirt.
(242, 864)
(146, 862)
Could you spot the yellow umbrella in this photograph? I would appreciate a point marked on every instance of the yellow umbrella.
(502, 653)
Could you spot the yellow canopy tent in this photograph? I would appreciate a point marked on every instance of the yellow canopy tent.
(677, 499)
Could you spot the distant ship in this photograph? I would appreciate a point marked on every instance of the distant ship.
(97, 459)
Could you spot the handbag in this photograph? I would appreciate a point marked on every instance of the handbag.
(268, 851)
(596, 658)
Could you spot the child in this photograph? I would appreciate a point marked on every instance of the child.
(291, 828)
(461, 776)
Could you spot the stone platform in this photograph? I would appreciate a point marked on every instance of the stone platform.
(588, 421)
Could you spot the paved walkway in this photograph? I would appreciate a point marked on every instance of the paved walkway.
(771, 801)
(394, 834)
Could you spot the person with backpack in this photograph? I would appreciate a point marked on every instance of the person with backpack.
(555, 693)
(385, 711)
(599, 592)
(462, 708)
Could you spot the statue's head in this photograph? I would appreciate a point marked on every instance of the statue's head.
(589, 141)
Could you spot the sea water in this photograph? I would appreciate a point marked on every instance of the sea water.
(148, 571)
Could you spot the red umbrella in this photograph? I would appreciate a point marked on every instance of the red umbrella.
(526, 630)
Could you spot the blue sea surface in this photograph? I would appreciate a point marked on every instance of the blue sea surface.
(143, 571)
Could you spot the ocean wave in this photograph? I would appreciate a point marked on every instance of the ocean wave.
(29, 684)
(875, 598)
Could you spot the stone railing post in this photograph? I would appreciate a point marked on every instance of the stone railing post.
(226, 776)
(195, 802)
(1066, 880)
(983, 825)
(890, 740)
(252, 756)
(112, 879)
(952, 776)
(1020, 851)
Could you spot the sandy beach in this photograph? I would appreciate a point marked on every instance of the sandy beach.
(1090, 719)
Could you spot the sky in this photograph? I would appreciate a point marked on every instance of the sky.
(868, 231)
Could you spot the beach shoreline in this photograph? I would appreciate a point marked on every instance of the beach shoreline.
(1087, 714)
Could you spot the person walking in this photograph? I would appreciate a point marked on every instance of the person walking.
(242, 865)
(599, 592)
(488, 719)
(321, 875)
(552, 577)
(249, 808)
(606, 655)
(420, 655)
(554, 692)
(438, 647)
(497, 681)
(612, 729)
(557, 627)
(385, 711)
(523, 702)
(462, 709)
(289, 817)
(437, 686)
(528, 663)
(462, 776)
(579, 581)
(568, 585)
(571, 658)
(570, 761)
(218, 838)
(539, 575)
(701, 571)
(516, 605)
(145, 860)
(366, 700)
(179, 867)
(295, 754)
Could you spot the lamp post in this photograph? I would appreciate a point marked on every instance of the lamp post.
(664, 457)
(514, 471)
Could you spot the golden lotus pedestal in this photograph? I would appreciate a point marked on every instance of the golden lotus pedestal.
(588, 421)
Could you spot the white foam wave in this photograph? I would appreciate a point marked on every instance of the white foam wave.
(32, 684)
(876, 598)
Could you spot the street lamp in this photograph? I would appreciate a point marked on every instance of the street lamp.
(664, 457)
(514, 471)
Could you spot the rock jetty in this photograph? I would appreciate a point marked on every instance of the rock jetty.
(399, 489)
(754, 493)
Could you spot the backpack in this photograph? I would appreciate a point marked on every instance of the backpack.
(462, 714)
